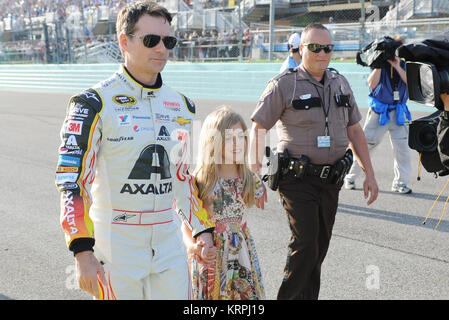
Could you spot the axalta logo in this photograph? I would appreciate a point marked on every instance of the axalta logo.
(70, 217)
(153, 160)
(124, 100)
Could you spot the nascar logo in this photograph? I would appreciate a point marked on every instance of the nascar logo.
(124, 100)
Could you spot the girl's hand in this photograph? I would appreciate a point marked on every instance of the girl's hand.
(260, 202)
(208, 255)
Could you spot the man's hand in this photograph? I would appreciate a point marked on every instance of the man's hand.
(395, 63)
(360, 148)
(445, 98)
(88, 272)
(370, 189)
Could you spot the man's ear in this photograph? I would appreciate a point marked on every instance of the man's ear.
(123, 42)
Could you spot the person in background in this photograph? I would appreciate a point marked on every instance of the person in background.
(294, 57)
(388, 112)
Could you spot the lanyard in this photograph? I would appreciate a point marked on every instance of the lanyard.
(326, 112)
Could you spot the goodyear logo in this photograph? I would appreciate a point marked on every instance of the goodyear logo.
(124, 100)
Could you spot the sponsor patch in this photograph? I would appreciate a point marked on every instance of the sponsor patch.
(163, 135)
(68, 161)
(66, 177)
(141, 117)
(119, 139)
(66, 169)
(79, 112)
(182, 121)
(124, 100)
(124, 120)
(138, 129)
(74, 127)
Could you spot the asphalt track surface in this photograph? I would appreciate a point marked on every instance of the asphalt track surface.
(381, 251)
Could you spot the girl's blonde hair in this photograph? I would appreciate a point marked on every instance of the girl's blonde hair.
(210, 152)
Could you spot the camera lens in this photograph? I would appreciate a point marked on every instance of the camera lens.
(426, 79)
(427, 137)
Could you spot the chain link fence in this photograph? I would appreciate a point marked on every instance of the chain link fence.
(79, 33)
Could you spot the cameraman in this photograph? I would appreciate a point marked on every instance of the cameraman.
(443, 132)
(387, 100)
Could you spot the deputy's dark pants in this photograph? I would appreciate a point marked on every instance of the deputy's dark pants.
(311, 206)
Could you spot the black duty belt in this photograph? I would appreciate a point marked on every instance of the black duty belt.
(301, 167)
(322, 171)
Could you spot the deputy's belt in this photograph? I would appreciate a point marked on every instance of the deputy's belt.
(322, 171)
(328, 173)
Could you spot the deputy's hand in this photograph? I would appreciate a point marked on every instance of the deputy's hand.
(370, 189)
(445, 98)
(88, 272)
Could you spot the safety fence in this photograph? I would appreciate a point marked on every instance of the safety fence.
(212, 81)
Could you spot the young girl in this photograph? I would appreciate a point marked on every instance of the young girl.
(227, 188)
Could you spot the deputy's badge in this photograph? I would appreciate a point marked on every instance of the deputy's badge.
(268, 90)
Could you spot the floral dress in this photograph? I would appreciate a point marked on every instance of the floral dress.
(236, 274)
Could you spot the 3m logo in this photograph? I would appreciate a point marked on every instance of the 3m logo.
(74, 127)
(124, 100)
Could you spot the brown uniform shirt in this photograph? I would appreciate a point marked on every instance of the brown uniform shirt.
(293, 101)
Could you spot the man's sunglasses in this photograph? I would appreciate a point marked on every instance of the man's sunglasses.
(315, 47)
(152, 40)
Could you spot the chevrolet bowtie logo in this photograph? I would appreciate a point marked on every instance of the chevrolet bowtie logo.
(181, 120)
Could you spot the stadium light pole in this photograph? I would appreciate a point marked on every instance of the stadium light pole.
(271, 37)
(240, 33)
(362, 21)
(83, 30)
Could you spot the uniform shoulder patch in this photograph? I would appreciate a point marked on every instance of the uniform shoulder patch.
(333, 70)
(288, 71)
(189, 104)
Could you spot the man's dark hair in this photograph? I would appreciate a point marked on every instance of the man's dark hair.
(131, 13)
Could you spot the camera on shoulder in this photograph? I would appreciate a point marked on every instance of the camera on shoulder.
(376, 53)
(427, 71)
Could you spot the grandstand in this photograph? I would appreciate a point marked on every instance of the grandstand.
(75, 31)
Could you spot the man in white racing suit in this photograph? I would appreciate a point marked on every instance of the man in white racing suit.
(123, 171)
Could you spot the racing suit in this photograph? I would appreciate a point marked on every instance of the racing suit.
(123, 173)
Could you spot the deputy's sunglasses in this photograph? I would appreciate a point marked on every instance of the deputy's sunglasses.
(152, 40)
(315, 47)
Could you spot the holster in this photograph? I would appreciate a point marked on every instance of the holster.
(275, 165)
(342, 167)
